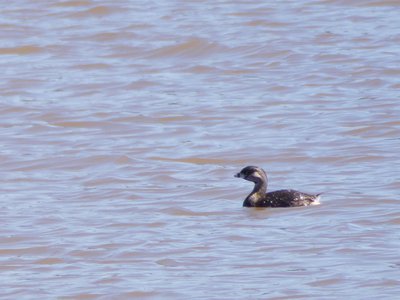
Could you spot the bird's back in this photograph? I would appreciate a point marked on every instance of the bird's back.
(287, 198)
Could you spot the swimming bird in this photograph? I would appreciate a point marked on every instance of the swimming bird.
(281, 198)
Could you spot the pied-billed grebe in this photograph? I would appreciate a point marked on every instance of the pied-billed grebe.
(282, 198)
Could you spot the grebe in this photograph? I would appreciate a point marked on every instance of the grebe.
(282, 198)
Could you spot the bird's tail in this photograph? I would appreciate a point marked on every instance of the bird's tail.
(316, 200)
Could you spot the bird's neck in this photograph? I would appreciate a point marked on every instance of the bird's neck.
(258, 193)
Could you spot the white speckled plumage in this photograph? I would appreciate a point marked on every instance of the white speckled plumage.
(281, 198)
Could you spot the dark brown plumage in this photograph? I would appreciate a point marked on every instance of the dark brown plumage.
(282, 198)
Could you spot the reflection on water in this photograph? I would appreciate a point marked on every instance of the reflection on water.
(124, 122)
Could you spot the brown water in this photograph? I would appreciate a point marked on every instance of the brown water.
(123, 122)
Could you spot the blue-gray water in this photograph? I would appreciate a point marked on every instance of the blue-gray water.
(123, 122)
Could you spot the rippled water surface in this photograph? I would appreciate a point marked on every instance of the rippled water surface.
(123, 122)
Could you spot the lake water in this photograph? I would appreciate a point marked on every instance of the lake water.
(123, 123)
